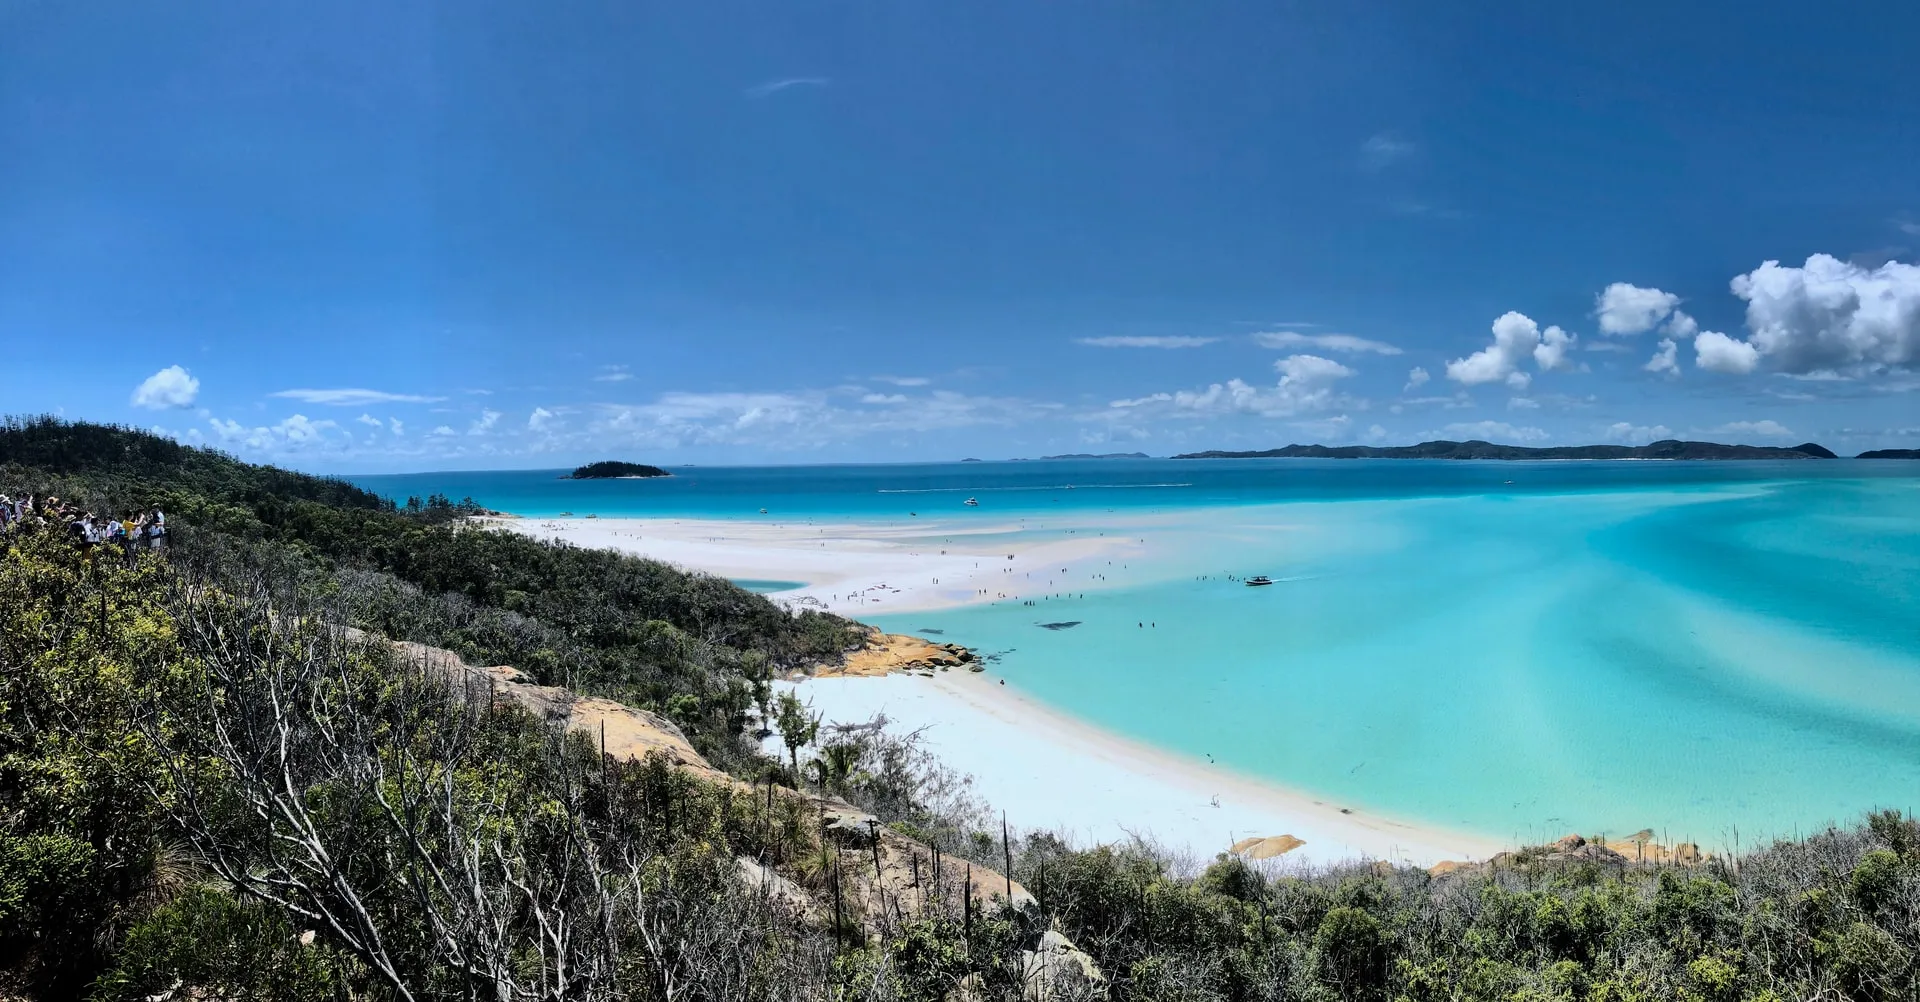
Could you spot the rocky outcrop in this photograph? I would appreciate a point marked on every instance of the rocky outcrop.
(1638, 848)
(1057, 969)
(1266, 848)
(623, 731)
(887, 653)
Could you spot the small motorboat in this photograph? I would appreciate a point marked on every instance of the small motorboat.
(971, 503)
(1258, 580)
(763, 511)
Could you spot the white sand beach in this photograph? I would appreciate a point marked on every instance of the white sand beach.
(863, 569)
(1050, 771)
(1046, 769)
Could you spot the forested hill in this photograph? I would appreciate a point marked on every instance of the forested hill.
(638, 630)
(1667, 449)
(612, 468)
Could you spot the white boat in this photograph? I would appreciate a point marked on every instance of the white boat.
(971, 503)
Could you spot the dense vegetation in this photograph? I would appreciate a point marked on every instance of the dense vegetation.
(691, 646)
(1440, 449)
(615, 468)
(207, 791)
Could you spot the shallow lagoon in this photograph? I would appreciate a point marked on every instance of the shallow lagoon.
(1701, 648)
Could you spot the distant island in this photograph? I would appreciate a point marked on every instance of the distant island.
(1103, 455)
(1476, 449)
(611, 470)
(1891, 454)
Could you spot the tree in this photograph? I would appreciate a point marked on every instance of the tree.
(798, 727)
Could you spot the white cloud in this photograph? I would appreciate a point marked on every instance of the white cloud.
(1829, 314)
(884, 398)
(1305, 386)
(398, 428)
(1717, 352)
(293, 433)
(1326, 342)
(613, 374)
(1416, 378)
(1768, 428)
(1679, 326)
(353, 398)
(1384, 149)
(370, 421)
(1515, 336)
(539, 419)
(1666, 360)
(1496, 431)
(170, 387)
(1624, 308)
(443, 431)
(1551, 353)
(1172, 341)
(904, 380)
(773, 87)
(1625, 432)
(484, 423)
(1523, 404)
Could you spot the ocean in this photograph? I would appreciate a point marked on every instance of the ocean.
(1721, 652)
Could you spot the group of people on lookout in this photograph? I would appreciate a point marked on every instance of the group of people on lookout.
(146, 530)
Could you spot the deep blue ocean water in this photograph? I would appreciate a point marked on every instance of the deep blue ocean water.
(1699, 648)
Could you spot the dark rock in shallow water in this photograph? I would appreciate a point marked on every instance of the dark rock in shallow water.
(1059, 626)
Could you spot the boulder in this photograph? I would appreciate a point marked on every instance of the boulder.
(1056, 969)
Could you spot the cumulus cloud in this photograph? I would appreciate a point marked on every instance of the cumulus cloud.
(1768, 429)
(1551, 353)
(884, 398)
(171, 387)
(1830, 314)
(1523, 404)
(1717, 352)
(1624, 308)
(1679, 326)
(290, 434)
(1305, 385)
(1515, 339)
(540, 419)
(484, 423)
(1667, 360)
(370, 421)
(398, 428)
(1495, 431)
(1416, 378)
(1639, 434)
(1128, 341)
(353, 397)
(443, 431)
(1349, 343)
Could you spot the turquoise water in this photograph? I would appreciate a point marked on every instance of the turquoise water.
(765, 586)
(1698, 648)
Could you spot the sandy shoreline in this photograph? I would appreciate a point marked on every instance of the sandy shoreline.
(1046, 769)
(1050, 771)
(862, 569)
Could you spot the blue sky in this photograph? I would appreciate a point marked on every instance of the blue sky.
(374, 236)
